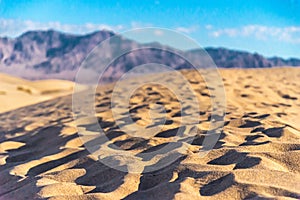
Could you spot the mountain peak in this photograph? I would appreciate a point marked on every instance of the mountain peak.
(53, 54)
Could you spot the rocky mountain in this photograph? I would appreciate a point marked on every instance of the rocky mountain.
(53, 54)
(44, 54)
(239, 59)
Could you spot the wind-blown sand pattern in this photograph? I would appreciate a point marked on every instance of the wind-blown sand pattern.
(17, 92)
(256, 157)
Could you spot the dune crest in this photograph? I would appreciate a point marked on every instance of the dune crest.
(16, 92)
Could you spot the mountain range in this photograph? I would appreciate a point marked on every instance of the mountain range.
(53, 54)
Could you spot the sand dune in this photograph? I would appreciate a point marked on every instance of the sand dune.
(17, 92)
(256, 157)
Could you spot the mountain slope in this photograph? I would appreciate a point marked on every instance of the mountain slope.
(52, 54)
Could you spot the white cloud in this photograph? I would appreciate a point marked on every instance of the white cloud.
(187, 30)
(15, 27)
(289, 34)
(208, 27)
(12, 27)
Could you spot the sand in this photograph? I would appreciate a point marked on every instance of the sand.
(256, 157)
(16, 92)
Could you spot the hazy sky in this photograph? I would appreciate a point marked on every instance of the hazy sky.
(267, 27)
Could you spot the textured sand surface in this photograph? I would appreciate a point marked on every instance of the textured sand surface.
(256, 157)
(17, 92)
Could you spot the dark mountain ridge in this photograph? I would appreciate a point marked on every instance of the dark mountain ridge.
(53, 54)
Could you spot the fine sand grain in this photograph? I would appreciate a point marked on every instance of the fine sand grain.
(17, 92)
(256, 157)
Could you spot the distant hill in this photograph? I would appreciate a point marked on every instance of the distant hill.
(53, 54)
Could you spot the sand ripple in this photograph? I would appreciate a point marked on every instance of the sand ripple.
(256, 157)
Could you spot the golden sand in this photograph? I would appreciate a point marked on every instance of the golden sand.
(257, 155)
(17, 92)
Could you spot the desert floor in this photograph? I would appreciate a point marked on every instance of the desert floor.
(17, 92)
(257, 155)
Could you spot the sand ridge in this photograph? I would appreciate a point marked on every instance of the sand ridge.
(16, 92)
(256, 157)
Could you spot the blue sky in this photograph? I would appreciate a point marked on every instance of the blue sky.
(265, 26)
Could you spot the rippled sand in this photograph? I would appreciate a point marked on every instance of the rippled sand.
(257, 154)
